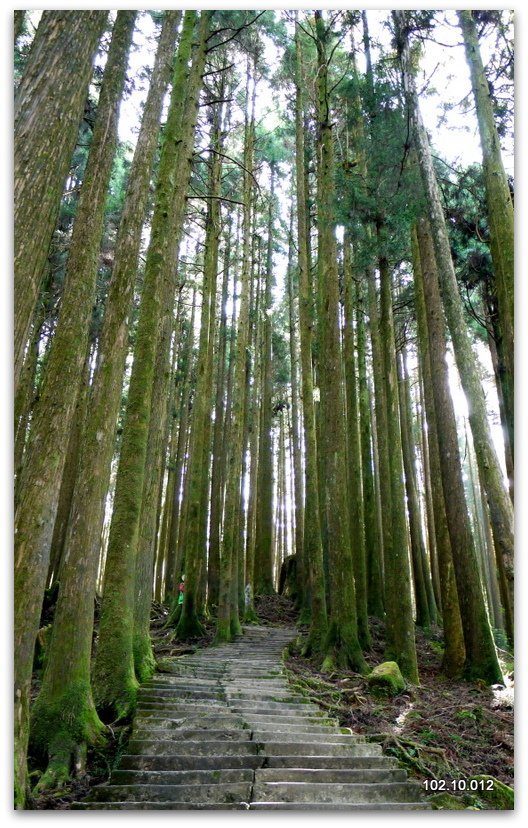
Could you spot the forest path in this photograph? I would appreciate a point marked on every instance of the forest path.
(225, 730)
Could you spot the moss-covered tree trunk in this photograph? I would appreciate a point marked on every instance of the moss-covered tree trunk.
(342, 644)
(373, 541)
(199, 464)
(500, 506)
(228, 624)
(355, 489)
(454, 652)
(499, 205)
(428, 499)
(264, 528)
(399, 628)
(172, 573)
(253, 442)
(296, 429)
(69, 476)
(481, 657)
(52, 418)
(314, 596)
(423, 588)
(114, 680)
(48, 109)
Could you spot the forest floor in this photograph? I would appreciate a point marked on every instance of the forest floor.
(443, 729)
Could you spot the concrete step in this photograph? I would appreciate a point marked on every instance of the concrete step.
(158, 693)
(330, 775)
(263, 706)
(339, 806)
(328, 762)
(294, 723)
(336, 792)
(299, 712)
(159, 806)
(180, 762)
(233, 792)
(192, 735)
(318, 749)
(170, 747)
(319, 737)
(227, 720)
(182, 777)
(184, 707)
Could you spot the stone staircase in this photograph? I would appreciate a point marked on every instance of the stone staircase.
(224, 731)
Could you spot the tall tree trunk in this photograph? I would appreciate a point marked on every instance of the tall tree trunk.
(264, 532)
(315, 602)
(254, 402)
(199, 464)
(373, 540)
(423, 588)
(114, 680)
(500, 506)
(481, 657)
(428, 499)
(46, 454)
(296, 437)
(499, 204)
(454, 652)
(355, 490)
(71, 643)
(228, 624)
(48, 109)
(399, 629)
(173, 573)
(213, 570)
(342, 645)
(69, 477)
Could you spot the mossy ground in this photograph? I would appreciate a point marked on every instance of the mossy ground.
(443, 728)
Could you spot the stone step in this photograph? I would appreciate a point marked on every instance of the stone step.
(227, 720)
(295, 723)
(266, 705)
(330, 775)
(212, 776)
(184, 707)
(157, 693)
(298, 712)
(159, 806)
(339, 806)
(319, 749)
(323, 737)
(170, 747)
(192, 735)
(297, 726)
(328, 762)
(181, 762)
(231, 792)
(336, 792)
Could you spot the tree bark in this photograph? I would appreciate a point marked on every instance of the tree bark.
(500, 506)
(499, 204)
(454, 653)
(481, 657)
(115, 684)
(355, 488)
(264, 530)
(46, 454)
(342, 644)
(399, 626)
(48, 109)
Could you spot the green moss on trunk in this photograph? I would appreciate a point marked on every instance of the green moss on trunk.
(62, 725)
